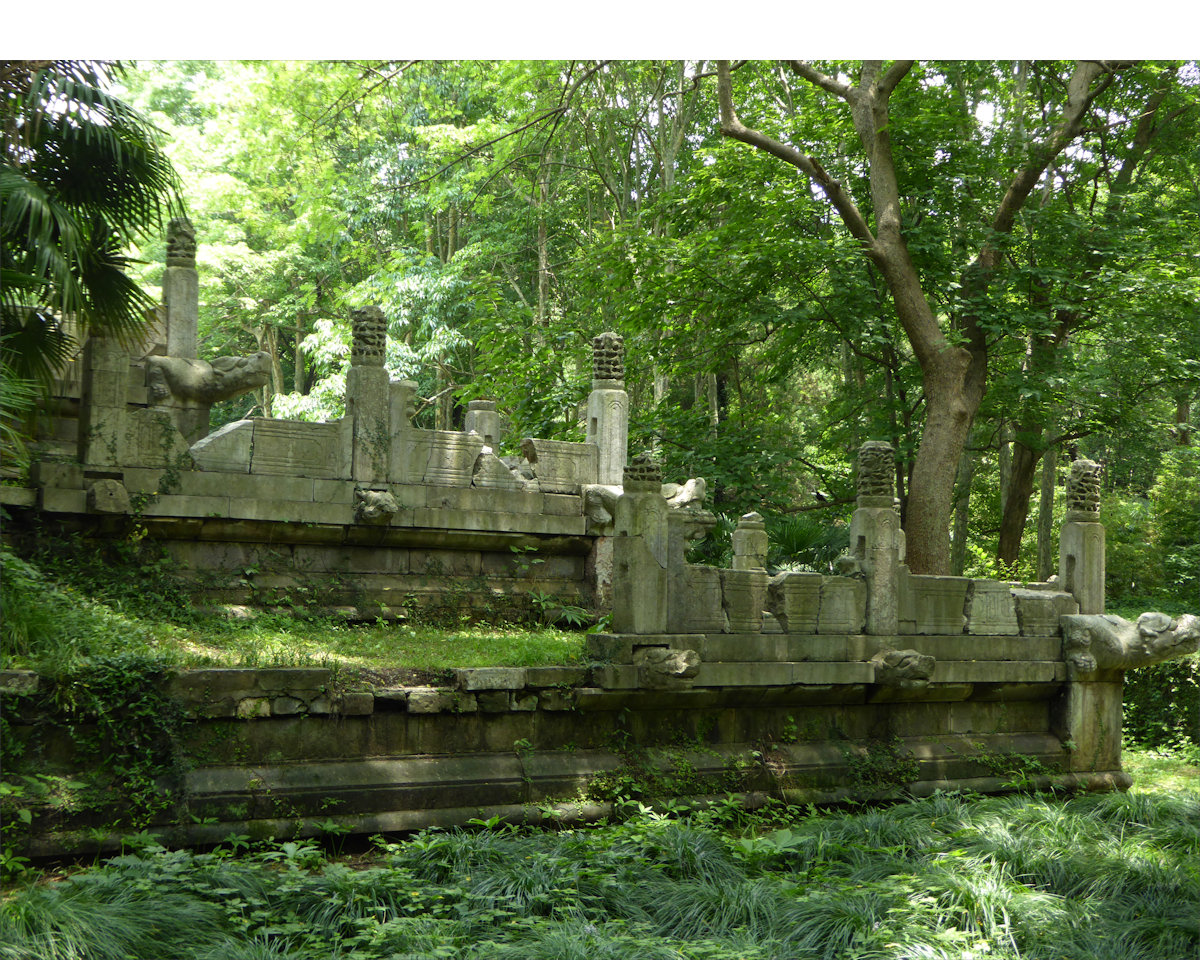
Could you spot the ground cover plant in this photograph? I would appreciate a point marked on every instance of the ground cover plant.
(950, 876)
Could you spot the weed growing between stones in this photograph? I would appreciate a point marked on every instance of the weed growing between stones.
(1026, 876)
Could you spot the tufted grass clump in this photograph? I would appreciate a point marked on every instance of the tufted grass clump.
(1021, 877)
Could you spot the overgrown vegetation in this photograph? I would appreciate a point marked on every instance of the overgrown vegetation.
(76, 602)
(1026, 876)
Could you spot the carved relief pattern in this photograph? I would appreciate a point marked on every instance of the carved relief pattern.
(876, 468)
(181, 243)
(608, 357)
(644, 469)
(370, 337)
(1083, 488)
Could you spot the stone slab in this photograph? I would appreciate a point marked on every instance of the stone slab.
(998, 671)
(491, 678)
(296, 449)
(843, 605)
(1038, 611)
(226, 450)
(795, 600)
(937, 604)
(990, 609)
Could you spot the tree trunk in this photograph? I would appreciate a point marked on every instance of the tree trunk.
(1045, 526)
(1016, 504)
(962, 514)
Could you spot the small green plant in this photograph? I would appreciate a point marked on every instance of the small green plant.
(882, 765)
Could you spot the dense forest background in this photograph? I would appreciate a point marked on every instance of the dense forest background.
(503, 213)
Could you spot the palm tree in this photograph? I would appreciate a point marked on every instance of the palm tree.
(81, 177)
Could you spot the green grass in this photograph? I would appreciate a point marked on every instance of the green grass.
(1021, 877)
(55, 615)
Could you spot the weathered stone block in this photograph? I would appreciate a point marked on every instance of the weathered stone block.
(561, 467)
(695, 600)
(153, 440)
(443, 457)
(429, 700)
(108, 496)
(226, 450)
(253, 708)
(991, 609)
(557, 700)
(299, 449)
(54, 500)
(843, 605)
(936, 604)
(490, 473)
(1038, 611)
(491, 678)
(795, 600)
(18, 682)
(287, 706)
(554, 676)
(743, 597)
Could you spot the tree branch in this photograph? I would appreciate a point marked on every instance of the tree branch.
(732, 127)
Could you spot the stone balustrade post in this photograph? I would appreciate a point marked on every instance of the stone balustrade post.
(181, 290)
(608, 407)
(368, 396)
(875, 536)
(640, 551)
(1081, 540)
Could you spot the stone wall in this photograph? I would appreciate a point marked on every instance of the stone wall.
(804, 717)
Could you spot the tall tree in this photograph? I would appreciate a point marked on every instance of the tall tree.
(953, 357)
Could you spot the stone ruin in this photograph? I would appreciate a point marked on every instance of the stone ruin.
(808, 672)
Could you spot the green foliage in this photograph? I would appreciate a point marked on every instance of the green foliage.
(1017, 878)
(81, 177)
(1162, 706)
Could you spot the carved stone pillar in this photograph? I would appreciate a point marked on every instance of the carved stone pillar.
(640, 551)
(181, 290)
(102, 421)
(608, 407)
(1081, 540)
(368, 396)
(875, 536)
